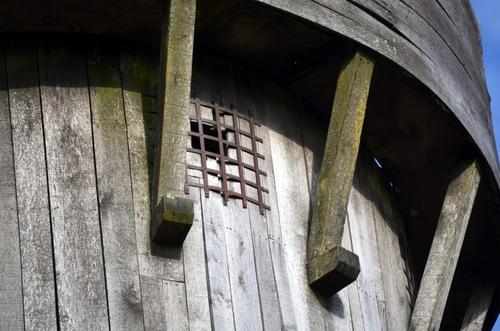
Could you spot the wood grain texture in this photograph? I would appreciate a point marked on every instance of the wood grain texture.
(195, 269)
(114, 190)
(177, 315)
(407, 32)
(138, 80)
(446, 246)
(81, 288)
(11, 295)
(32, 191)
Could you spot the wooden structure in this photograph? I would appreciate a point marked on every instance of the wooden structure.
(247, 165)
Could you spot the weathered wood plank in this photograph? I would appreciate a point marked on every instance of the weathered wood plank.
(195, 264)
(336, 175)
(243, 274)
(154, 304)
(138, 72)
(389, 238)
(177, 315)
(337, 310)
(364, 245)
(173, 99)
(32, 191)
(114, 190)
(477, 307)
(11, 295)
(221, 303)
(445, 249)
(250, 102)
(81, 288)
(293, 198)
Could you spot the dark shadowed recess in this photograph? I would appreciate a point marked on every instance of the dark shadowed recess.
(416, 140)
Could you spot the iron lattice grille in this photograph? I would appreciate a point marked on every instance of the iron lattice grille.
(223, 154)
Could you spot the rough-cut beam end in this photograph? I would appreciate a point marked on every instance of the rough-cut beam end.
(333, 270)
(171, 221)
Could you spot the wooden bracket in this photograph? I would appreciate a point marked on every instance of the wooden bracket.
(331, 267)
(173, 100)
(445, 249)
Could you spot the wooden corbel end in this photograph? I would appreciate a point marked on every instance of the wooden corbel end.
(333, 270)
(171, 221)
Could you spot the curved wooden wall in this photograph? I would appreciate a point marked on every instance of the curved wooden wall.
(437, 41)
(77, 124)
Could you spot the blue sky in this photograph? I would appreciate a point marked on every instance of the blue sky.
(487, 12)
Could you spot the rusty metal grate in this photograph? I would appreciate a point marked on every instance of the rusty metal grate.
(223, 154)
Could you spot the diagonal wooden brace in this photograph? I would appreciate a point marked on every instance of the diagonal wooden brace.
(331, 267)
(445, 250)
(173, 101)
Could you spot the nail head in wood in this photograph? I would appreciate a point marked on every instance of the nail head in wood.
(333, 270)
(171, 221)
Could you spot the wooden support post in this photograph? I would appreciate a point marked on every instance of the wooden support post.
(445, 249)
(173, 100)
(331, 267)
(477, 308)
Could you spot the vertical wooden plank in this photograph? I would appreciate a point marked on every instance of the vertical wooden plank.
(11, 295)
(389, 239)
(248, 102)
(154, 304)
(114, 190)
(156, 263)
(221, 303)
(362, 230)
(196, 272)
(477, 308)
(177, 315)
(80, 280)
(32, 191)
(238, 229)
(445, 250)
(293, 204)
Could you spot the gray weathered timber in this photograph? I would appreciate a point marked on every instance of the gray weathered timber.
(389, 237)
(364, 244)
(173, 100)
(335, 179)
(31, 185)
(293, 199)
(221, 303)
(177, 315)
(425, 39)
(138, 82)
(80, 279)
(251, 104)
(11, 295)
(114, 191)
(196, 275)
(477, 308)
(445, 249)
(154, 304)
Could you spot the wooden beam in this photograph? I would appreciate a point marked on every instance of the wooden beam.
(331, 267)
(477, 308)
(445, 249)
(173, 99)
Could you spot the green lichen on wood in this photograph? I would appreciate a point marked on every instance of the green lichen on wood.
(174, 94)
(337, 169)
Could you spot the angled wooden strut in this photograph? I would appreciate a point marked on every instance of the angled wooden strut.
(445, 249)
(172, 216)
(478, 306)
(331, 267)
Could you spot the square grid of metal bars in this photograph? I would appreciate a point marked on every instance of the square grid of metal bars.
(223, 154)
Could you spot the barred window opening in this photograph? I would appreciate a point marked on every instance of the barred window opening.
(223, 154)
